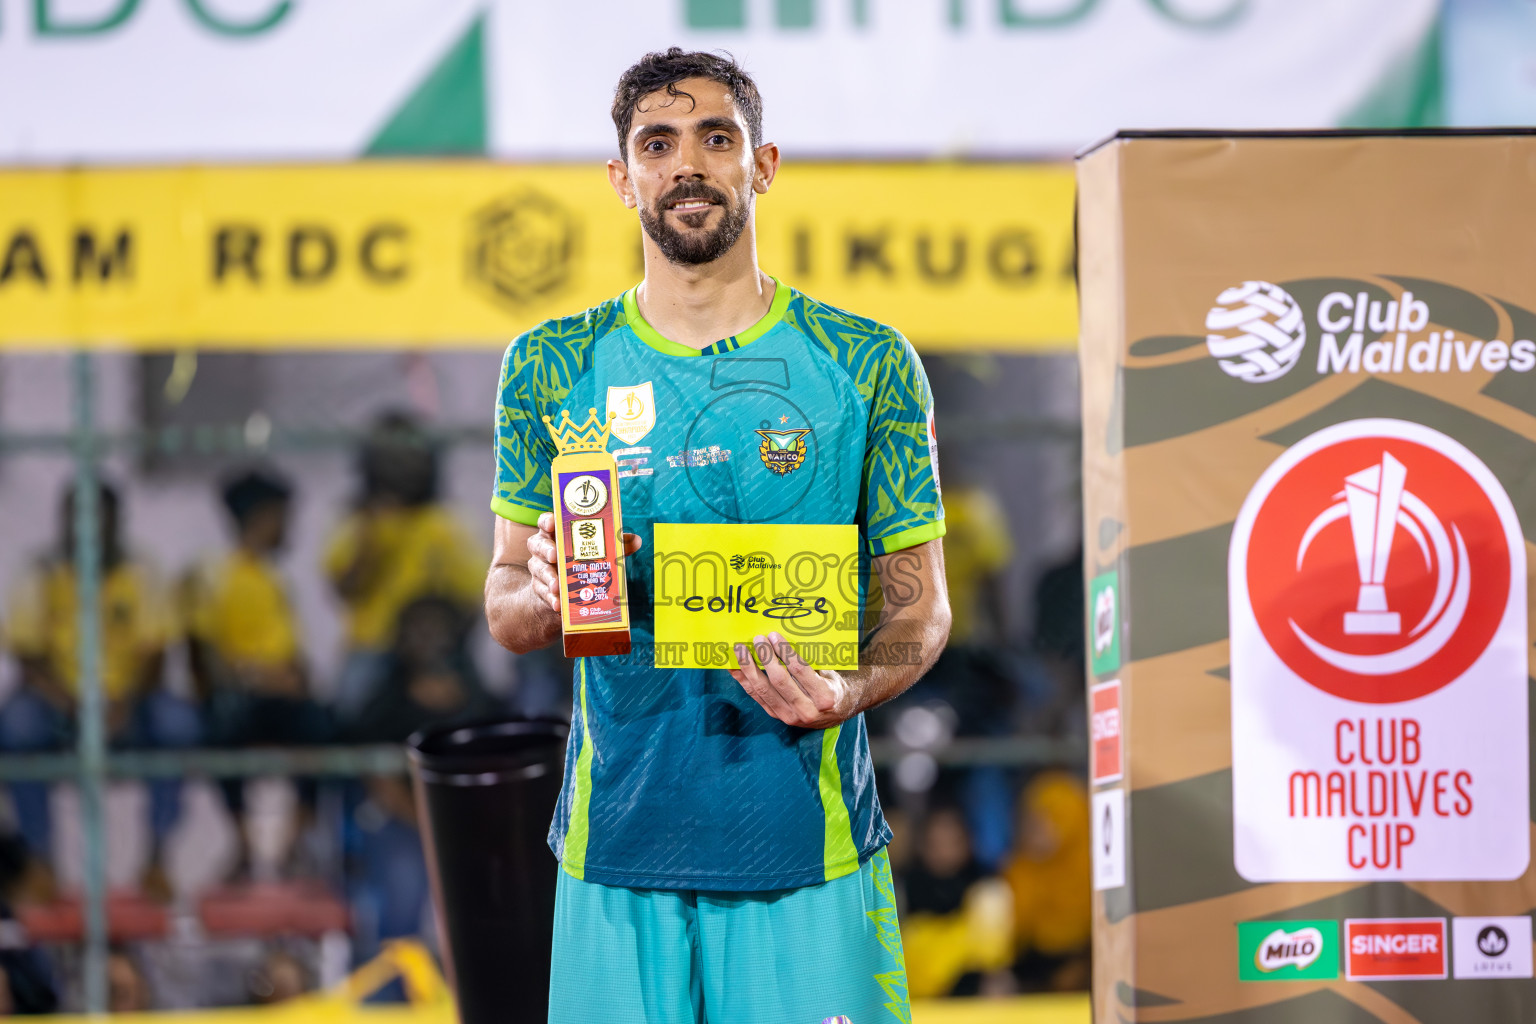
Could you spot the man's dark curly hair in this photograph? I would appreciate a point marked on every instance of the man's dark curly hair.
(662, 71)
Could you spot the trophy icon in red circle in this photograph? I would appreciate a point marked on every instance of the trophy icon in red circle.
(1379, 566)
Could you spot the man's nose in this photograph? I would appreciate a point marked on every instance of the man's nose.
(691, 163)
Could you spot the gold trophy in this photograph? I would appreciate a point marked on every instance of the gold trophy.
(584, 478)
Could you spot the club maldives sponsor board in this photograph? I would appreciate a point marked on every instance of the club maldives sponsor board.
(1106, 726)
(1258, 332)
(1394, 949)
(1491, 947)
(1377, 604)
(1287, 950)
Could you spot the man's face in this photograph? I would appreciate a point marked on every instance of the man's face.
(266, 525)
(691, 171)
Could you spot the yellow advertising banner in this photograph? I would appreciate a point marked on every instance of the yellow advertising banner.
(957, 256)
(722, 584)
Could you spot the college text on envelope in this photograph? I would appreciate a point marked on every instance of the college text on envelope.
(721, 584)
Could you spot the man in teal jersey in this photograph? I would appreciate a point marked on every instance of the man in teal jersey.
(721, 841)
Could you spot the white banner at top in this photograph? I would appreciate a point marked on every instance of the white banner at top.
(962, 77)
(192, 80)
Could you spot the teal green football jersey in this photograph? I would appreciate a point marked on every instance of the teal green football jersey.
(676, 778)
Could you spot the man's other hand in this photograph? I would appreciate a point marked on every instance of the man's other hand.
(789, 689)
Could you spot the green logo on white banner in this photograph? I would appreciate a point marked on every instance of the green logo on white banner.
(1287, 950)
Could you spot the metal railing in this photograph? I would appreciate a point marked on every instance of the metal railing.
(390, 759)
(91, 763)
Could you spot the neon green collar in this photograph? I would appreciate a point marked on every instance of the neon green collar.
(648, 334)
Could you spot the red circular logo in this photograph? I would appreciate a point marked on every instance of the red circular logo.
(1378, 569)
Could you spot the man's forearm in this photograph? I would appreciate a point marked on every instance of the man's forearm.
(896, 656)
(518, 617)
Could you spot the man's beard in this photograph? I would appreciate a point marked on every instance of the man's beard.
(693, 249)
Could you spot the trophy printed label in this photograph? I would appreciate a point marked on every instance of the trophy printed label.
(587, 539)
(589, 566)
(586, 494)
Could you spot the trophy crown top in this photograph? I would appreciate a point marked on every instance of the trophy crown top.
(590, 436)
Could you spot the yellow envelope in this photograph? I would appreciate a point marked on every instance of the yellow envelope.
(720, 584)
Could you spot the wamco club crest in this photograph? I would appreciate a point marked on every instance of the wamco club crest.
(1377, 602)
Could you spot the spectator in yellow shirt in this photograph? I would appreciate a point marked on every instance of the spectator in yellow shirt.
(978, 546)
(1050, 877)
(399, 544)
(244, 642)
(136, 626)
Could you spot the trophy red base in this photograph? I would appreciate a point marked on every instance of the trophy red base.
(597, 643)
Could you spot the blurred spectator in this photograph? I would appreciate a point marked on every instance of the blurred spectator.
(244, 643)
(388, 884)
(279, 977)
(397, 545)
(978, 546)
(945, 867)
(127, 988)
(429, 680)
(957, 927)
(1058, 647)
(1049, 876)
(428, 676)
(27, 984)
(136, 626)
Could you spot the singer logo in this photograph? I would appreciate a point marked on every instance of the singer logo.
(1377, 565)
(1398, 948)
(1104, 724)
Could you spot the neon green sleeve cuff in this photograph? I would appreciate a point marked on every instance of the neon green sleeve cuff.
(906, 538)
(517, 513)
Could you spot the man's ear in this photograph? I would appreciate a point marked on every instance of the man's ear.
(618, 177)
(766, 161)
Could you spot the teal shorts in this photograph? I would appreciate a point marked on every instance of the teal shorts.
(828, 952)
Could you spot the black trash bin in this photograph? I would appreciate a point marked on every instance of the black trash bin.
(487, 793)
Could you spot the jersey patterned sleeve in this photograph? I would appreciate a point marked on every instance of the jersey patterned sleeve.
(536, 375)
(901, 503)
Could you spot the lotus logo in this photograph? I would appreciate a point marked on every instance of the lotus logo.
(1492, 941)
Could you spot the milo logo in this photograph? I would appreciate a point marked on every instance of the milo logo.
(1288, 950)
(1299, 949)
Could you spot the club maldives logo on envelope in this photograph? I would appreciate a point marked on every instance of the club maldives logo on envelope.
(717, 585)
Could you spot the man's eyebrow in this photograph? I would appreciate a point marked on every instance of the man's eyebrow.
(714, 124)
(647, 130)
